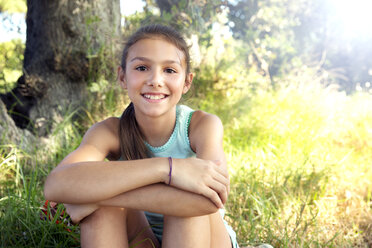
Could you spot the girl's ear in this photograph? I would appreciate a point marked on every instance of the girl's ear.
(188, 83)
(121, 77)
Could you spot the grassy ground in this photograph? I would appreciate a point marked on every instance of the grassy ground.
(300, 172)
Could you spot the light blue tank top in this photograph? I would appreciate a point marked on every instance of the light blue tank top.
(178, 146)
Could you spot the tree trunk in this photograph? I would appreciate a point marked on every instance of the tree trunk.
(10, 134)
(65, 40)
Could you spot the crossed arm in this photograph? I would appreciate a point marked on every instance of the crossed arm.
(84, 182)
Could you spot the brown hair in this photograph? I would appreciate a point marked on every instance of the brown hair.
(132, 140)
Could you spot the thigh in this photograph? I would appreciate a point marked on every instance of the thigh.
(116, 227)
(140, 234)
(192, 232)
(219, 236)
(106, 227)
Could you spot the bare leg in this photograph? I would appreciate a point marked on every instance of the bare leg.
(193, 232)
(113, 227)
(139, 231)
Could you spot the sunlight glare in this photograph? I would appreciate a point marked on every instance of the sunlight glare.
(355, 16)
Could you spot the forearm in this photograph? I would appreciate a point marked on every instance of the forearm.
(163, 199)
(87, 182)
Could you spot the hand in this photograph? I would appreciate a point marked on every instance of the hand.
(204, 177)
(79, 212)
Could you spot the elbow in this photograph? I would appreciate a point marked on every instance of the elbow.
(47, 192)
(50, 188)
(212, 209)
(205, 209)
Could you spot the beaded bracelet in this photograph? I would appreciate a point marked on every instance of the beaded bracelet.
(170, 169)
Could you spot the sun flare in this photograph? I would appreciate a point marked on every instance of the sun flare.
(354, 16)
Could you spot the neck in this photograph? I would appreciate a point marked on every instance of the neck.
(157, 130)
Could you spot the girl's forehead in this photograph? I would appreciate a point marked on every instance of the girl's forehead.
(156, 49)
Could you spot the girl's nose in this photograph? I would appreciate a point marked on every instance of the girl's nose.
(156, 79)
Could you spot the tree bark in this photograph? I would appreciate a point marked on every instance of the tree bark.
(11, 134)
(65, 40)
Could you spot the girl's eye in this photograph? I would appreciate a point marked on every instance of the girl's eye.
(141, 68)
(169, 70)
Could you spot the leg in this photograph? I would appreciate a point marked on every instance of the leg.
(105, 228)
(113, 227)
(140, 234)
(192, 232)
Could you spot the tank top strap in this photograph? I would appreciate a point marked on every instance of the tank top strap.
(178, 145)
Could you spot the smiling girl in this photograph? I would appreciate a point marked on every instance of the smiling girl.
(157, 176)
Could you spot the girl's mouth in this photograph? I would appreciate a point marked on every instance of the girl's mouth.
(154, 96)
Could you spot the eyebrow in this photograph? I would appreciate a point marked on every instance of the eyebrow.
(149, 60)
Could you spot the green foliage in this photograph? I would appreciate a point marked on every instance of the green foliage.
(105, 94)
(299, 158)
(267, 29)
(20, 222)
(11, 60)
(186, 16)
(276, 32)
(299, 153)
(299, 161)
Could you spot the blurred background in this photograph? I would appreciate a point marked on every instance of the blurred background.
(290, 80)
(273, 36)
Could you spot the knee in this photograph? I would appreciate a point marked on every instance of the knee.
(186, 221)
(105, 214)
(110, 211)
(104, 228)
(185, 218)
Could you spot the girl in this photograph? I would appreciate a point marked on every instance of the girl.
(157, 176)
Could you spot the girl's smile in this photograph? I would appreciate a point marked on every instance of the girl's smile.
(155, 76)
(153, 97)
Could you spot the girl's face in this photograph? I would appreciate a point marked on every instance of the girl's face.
(155, 76)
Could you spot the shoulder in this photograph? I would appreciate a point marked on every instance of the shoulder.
(104, 136)
(204, 128)
(201, 120)
(108, 126)
(99, 142)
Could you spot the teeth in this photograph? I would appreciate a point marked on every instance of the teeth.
(154, 97)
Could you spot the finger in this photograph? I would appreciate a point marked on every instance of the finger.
(222, 171)
(220, 178)
(223, 186)
(220, 189)
(217, 161)
(213, 196)
(228, 185)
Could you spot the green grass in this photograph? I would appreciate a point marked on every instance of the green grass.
(299, 161)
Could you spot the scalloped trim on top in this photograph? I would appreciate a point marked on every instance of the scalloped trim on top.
(156, 149)
(187, 128)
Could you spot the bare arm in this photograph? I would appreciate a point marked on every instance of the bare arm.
(84, 177)
(206, 134)
(163, 199)
(206, 138)
(156, 198)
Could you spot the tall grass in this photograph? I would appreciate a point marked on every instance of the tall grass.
(21, 187)
(299, 159)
